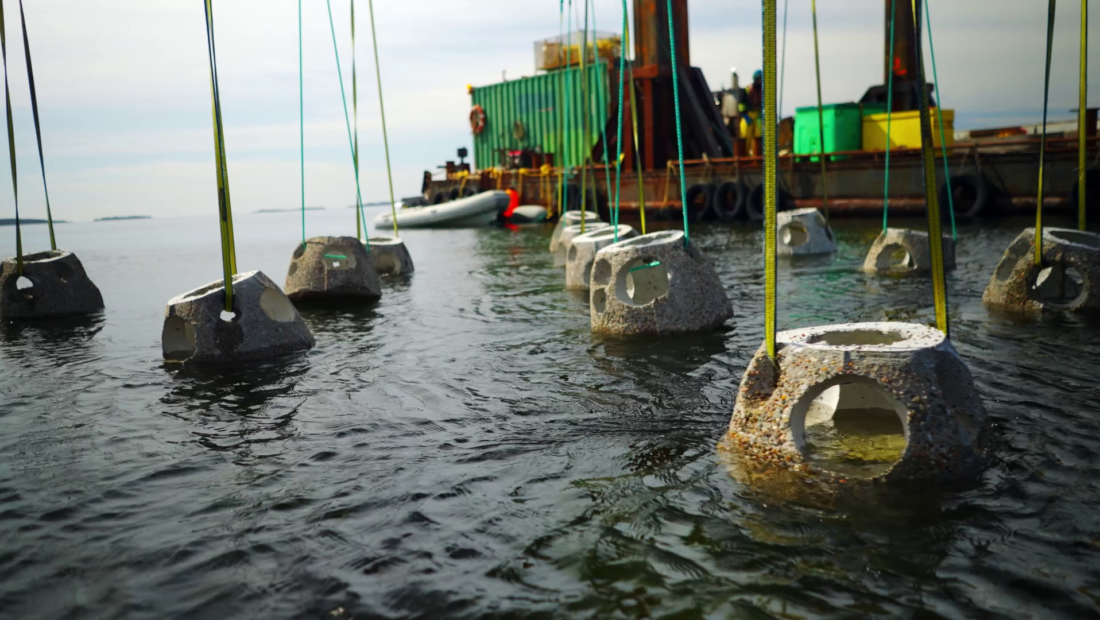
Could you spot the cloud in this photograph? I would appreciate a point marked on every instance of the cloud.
(124, 89)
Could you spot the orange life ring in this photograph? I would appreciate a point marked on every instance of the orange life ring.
(477, 119)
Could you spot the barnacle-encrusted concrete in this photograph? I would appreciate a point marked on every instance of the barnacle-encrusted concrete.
(568, 219)
(265, 323)
(900, 250)
(565, 239)
(1068, 280)
(391, 257)
(906, 368)
(332, 268)
(653, 284)
(802, 232)
(60, 287)
(582, 254)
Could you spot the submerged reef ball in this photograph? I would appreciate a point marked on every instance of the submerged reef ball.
(391, 257)
(332, 268)
(1067, 281)
(565, 240)
(582, 254)
(53, 285)
(264, 323)
(877, 401)
(568, 219)
(653, 284)
(900, 251)
(803, 232)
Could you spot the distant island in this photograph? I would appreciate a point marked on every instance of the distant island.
(11, 221)
(289, 210)
(123, 217)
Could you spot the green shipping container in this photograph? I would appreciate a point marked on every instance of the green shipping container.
(525, 114)
(843, 129)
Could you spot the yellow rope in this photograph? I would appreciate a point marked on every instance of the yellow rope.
(382, 110)
(1043, 142)
(770, 164)
(931, 196)
(225, 211)
(1081, 104)
(637, 146)
(11, 145)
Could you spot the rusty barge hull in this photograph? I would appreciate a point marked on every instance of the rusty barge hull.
(1003, 176)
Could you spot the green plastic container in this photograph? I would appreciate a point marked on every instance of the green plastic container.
(843, 129)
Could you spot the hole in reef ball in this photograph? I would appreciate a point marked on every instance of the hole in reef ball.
(853, 427)
(599, 300)
(1060, 286)
(23, 283)
(227, 316)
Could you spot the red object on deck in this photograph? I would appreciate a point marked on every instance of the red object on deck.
(513, 202)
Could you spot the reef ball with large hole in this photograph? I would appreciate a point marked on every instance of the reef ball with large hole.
(53, 285)
(875, 401)
(656, 284)
(264, 323)
(1067, 281)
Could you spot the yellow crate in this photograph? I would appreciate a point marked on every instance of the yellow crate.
(905, 130)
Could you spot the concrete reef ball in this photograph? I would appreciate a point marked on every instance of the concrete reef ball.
(332, 268)
(391, 257)
(582, 254)
(802, 232)
(652, 284)
(1068, 280)
(900, 251)
(59, 287)
(265, 323)
(823, 374)
(565, 240)
(568, 219)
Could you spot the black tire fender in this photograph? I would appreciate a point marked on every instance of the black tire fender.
(699, 198)
(971, 194)
(729, 199)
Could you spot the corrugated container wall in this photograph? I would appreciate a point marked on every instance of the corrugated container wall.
(534, 102)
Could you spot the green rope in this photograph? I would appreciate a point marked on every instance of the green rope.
(347, 122)
(597, 113)
(586, 146)
(302, 124)
(37, 123)
(820, 118)
(382, 109)
(676, 105)
(619, 136)
(1043, 143)
(939, 119)
(889, 116)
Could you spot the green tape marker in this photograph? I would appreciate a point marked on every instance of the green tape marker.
(336, 256)
(653, 264)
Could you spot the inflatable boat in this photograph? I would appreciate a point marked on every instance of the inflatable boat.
(479, 210)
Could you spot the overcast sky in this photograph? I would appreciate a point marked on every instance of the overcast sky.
(124, 97)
